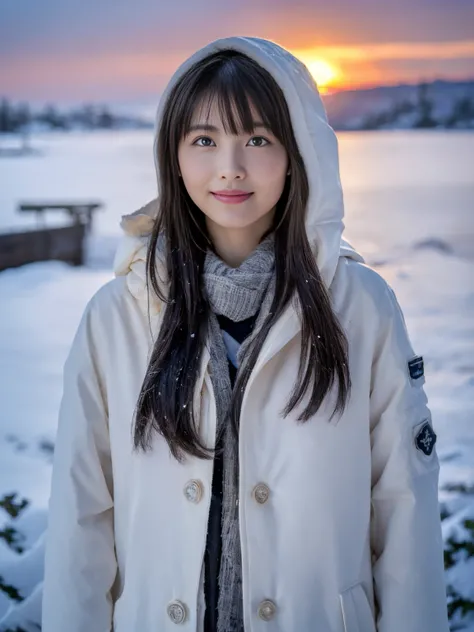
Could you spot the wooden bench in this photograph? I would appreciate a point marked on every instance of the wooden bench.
(65, 243)
(80, 212)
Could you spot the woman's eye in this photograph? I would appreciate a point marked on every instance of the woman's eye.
(205, 141)
(255, 141)
(261, 142)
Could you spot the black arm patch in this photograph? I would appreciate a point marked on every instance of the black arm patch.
(425, 439)
(416, 366)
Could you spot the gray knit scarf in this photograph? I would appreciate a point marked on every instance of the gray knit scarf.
(237, 293)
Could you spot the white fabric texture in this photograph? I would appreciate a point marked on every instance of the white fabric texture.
(349, 539)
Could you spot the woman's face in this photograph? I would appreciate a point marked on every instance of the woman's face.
(210, 160)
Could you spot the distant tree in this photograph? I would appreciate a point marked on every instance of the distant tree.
(376, 120)
(51, 117)
(23, 121)
(462, 112)
(105, 119)
(6, 123)
(88, 116)
(425, 108)
(390, 116)
(403, 107)
(22, 115)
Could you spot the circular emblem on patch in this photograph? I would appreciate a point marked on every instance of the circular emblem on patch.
(425, 439)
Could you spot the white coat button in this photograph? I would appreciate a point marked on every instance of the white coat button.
(177, 611)
(266, 610)
(193, 490)
(261, 493)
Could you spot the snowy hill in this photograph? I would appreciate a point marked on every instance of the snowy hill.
(441, 104)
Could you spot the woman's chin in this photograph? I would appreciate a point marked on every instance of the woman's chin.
(236, 221)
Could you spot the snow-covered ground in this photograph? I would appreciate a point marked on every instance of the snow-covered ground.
(409, 211)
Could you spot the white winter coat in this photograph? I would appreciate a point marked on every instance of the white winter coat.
(349, 539)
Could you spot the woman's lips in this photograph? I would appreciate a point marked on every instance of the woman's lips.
(232, 199)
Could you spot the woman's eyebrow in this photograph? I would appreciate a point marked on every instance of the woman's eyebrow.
(205, 127)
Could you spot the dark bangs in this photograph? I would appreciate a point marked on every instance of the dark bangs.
(233, 89)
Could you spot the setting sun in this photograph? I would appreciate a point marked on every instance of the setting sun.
(322, 71)
(325, 74)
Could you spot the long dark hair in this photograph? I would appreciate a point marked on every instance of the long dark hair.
(233, 81)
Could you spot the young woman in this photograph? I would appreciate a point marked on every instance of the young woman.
(244, 440)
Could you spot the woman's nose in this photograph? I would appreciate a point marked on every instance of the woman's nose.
(231, 165)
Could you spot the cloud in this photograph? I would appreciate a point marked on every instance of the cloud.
(82, 48)
(88, 25)
(394, 51)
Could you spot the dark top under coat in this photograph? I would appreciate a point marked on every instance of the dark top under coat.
(239, 331)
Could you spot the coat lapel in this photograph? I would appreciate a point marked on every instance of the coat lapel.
(284, 330)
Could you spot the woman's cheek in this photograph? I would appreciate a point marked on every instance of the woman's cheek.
(272, 166)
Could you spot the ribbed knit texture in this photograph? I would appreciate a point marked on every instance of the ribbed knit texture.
(237, 293)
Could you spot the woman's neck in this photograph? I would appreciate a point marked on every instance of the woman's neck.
(234, 245)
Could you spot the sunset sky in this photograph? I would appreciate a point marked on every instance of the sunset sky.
(108, 50)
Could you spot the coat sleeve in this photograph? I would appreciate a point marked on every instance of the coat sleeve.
(80, 562)
(407, 546)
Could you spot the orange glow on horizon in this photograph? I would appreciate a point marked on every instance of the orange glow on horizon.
(355, 67)
(115, 75)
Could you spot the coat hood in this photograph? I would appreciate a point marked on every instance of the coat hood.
(317, 143)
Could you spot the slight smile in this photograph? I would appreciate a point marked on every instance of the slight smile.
(231, 197)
